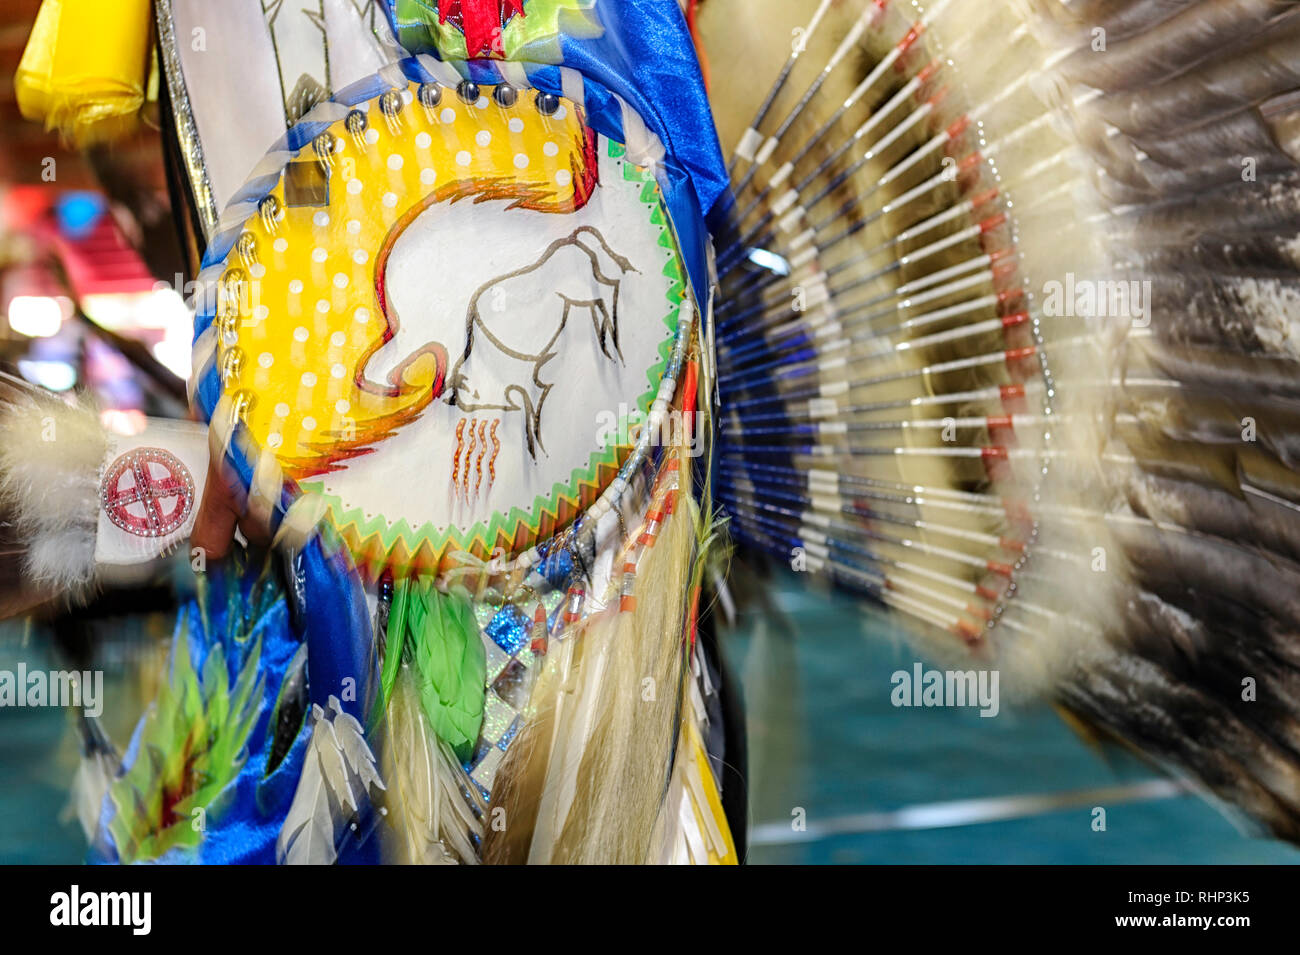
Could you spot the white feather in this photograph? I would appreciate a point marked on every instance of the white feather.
(307, 837)
(339, 771)
(431, 819)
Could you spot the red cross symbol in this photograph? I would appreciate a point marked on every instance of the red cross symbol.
(147, 492)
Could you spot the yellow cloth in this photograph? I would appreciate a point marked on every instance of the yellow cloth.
(706, 803)
(85, 67)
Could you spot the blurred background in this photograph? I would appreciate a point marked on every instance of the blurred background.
(92, 298)
(91, 294)
(91, 281)
(890, 785)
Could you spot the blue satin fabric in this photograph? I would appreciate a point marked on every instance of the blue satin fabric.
(646, 56)
(331, 614)
(244, 821)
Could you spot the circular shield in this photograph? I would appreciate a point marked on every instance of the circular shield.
(451, 315)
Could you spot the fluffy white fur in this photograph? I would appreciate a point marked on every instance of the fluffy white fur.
(51, 453)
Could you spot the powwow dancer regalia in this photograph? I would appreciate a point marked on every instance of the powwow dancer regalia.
(976, 329)
(448, 254)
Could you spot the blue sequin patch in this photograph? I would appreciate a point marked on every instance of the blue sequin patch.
(509, 734)
(509, 629)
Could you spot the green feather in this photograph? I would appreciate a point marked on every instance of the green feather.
(450, 660)
(395, 636)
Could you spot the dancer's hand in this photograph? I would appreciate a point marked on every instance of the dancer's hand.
(223, 508)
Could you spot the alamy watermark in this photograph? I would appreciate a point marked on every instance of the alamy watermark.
(922, 687)
(675, 429)
(1099, 298)
(80, 688)
(133, 910)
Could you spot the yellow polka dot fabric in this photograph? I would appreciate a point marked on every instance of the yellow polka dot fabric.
(302, 305)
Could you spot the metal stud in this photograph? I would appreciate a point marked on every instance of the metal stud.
(241, 403)
(505, 95)
(246, 246)
(430, 95)
(232, 282)
(271, 211)
(229, 294)
(547, 103)
(228, 325)
(232, 363)
(324, 146)
(468, 91)
(391, 103)
(356, 124)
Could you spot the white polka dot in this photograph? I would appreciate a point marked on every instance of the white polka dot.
(280, 244)
(282, 410)
(448, 115)
(407, 97)
(321, 218)
(319, 255)
(257, 270)
(354, 227)
(338, 339)
(423, 139)
(295, 286)
(343, 406)
(483, 137)
(390, 199)
(481, 103)
(394, 162)
(427, 176)
(309, 423)
(337, 371)
(362, 315)
(261, 313)
(372, 135)
(360, 256)
(322, 305)
(340, 280)
(462, 158)
(300, 334)
(266, 359)
(516, 124)
(560, 113)
(273, 440)
(309, 379)
(563, 177)
(550, 149)
(354, 186)
(521, 161)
